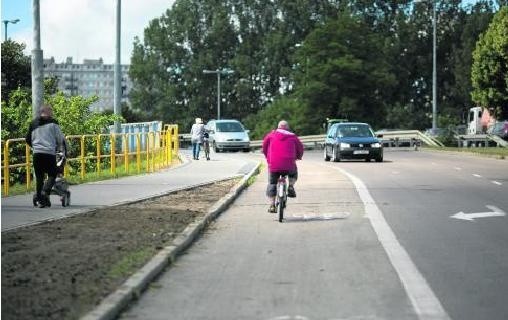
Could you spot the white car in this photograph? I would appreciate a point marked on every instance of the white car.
(228, 135)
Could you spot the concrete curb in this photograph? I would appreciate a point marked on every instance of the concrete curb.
(132, 288)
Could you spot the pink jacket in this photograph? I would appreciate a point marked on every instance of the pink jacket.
(281, 149)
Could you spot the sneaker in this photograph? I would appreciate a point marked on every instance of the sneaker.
(291, 192)
(272, 209)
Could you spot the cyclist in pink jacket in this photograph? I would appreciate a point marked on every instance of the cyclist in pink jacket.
(281, 148)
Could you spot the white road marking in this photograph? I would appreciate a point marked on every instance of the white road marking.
(496, 212)
(476, 175)
(423, 299)
(458, 168)
(497, 182)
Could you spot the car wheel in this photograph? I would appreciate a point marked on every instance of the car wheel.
(325, 155)
(335, 155)
(215, 147)
(379, 159)
(367, 159)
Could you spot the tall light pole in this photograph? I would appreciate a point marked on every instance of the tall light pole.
(218, 72)
(434, 71)
(37, 70)
(434, 64)
(7, 22)
(118, 72)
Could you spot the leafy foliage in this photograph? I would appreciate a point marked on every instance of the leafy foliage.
(490, 66)
(15, 68)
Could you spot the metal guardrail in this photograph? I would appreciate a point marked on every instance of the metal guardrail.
(409, 135)
(398, 138)
(477, 140)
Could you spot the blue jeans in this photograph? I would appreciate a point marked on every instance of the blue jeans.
(195, 150)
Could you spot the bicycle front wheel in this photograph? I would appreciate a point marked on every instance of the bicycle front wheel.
(280, 209)
(207, 150)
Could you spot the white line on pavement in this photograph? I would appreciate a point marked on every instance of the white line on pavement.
(497, 182)
(423, 299)
(476, 175)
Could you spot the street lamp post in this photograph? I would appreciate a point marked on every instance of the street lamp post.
(7, 22)
(434, 71)
(434, 64)
(37, 62)
(218, 72)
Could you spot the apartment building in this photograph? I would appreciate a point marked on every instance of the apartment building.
(92, 77)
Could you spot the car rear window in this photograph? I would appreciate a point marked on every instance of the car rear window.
(346, 131)
(229, 127)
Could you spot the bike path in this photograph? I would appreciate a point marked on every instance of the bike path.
(19, 211)
(324, 262)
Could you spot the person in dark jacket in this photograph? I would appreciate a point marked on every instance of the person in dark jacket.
(281, 148)
(46, 139)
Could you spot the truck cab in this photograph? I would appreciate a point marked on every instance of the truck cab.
(474, 125)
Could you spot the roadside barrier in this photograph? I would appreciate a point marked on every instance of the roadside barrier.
(96, 154)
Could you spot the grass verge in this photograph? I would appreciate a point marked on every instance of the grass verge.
(492, 152)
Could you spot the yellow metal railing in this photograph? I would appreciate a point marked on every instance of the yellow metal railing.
(159, 151)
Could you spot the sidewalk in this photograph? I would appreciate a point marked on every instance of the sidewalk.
(18, 210)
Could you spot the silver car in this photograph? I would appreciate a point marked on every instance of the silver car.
(228, 135)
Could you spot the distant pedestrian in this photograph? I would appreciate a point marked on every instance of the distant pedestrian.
(46, 139)
(197, 132)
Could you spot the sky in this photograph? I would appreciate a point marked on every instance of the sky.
(83, 29)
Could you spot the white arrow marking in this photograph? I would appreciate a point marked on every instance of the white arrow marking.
(496, 212)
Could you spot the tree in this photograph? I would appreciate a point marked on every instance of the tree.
(16, 68)
(489, 72)
(343, 73)
(287, 108)
(73, 114)
(472, 24)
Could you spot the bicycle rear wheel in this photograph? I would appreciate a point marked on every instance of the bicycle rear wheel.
(281, 201)
(280, 209)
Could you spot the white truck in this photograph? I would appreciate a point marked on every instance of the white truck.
(480, 123)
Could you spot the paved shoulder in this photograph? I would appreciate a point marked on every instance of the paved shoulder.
(323, 262)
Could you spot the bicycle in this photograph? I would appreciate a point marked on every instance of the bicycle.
(282, 196)
(206, 147)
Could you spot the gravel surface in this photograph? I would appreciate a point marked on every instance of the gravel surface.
(62, 269)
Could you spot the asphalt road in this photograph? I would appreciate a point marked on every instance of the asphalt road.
(464, 262)
(361, 241)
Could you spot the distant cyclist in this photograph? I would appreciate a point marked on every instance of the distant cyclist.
(281, 148)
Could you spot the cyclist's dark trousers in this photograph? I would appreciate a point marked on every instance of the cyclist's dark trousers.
(271, 190)
(44, 164)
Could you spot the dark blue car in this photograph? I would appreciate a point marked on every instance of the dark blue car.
(352, 140)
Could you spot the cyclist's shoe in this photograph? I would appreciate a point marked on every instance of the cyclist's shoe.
(291, 192)
(272, 209)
